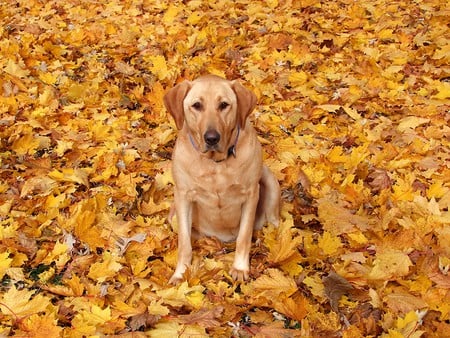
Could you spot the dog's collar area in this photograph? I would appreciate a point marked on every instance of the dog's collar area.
(231, 151)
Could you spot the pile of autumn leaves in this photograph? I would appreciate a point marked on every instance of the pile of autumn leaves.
(354, 94)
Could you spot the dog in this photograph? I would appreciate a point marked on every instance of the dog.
(222, 188)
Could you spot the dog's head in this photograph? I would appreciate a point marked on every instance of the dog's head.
(212, 109)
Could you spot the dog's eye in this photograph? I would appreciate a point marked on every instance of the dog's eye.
(223, 105)
(197, 106)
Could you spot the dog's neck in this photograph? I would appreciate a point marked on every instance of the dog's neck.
(230, 152)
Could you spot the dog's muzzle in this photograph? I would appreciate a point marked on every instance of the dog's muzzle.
(212, 138)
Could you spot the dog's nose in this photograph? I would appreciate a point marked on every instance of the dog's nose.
(211, 137)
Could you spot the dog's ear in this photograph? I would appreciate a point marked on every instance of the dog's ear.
(246, 101)
(173, 100)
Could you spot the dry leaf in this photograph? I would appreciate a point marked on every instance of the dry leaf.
(336, 287)
(353, 119)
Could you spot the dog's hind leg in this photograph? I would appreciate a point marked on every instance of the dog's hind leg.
(268, 209)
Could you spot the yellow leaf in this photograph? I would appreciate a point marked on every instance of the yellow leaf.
(443, 91)
(282, 243)
(195, 298)
(182, 295)
(272, 3)
(87, 321)
(157, 309)
(159, 66)
(7, 230)
(194, 18)
(339, 220)
(38, 326)
(22, 303)
(75, 285)
(171, 328)
(294, 307)
(63, 146)
(336, 155)
(411, 122)
(5, 208)
(329, 244)
(105, 269)
(58, 255)
(26, 144)
(5, 263)
(315, 284)
(385, 34)
(271, 285)
(353, 113)
(171, 13)
(128, 310)
(77, 92)
(75, 175)
(40, 185)
(393, 334)
(155, 98)
(298, 78)
(390, 265)
(15, 69)
(292, 265)
(48, 78)
(358, 237)
(437, 189)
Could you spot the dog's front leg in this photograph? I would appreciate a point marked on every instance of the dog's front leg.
(241, 266)
(184, 217)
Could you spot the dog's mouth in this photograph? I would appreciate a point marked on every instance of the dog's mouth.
(214, 153)
(213, 145)
(216, 156)
(207, 148)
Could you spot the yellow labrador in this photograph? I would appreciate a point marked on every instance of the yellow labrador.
(222, 188)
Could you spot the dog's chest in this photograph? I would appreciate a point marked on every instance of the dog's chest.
(219, 188)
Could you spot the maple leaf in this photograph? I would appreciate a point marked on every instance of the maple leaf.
(355, 94)
(204, 317)
(335, 287)
(183, 295)
(390, 264)
(338, 220)
(282, 244)
(142, 321)
(40, 326)
(108, 267)
(20, 303)
(5, 263)
(294, 307)
(403, 303)
(379, 179)
(329, 244)
(87, 321)
(174, 329)
(270, 285)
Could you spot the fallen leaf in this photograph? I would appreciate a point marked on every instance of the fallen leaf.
(390, 264)
(204, 317)
(21, 303)
(270, 285)
(336, 287)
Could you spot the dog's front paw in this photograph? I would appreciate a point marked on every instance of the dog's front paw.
(239, 274)
(176, 279)
(177, 276)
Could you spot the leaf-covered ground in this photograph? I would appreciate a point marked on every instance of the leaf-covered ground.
(354, 93)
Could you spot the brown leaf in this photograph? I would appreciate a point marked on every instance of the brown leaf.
(365, 317)
(379, 179)
(335, 287)
(142, 321)
(400, 302)
(205, 317)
